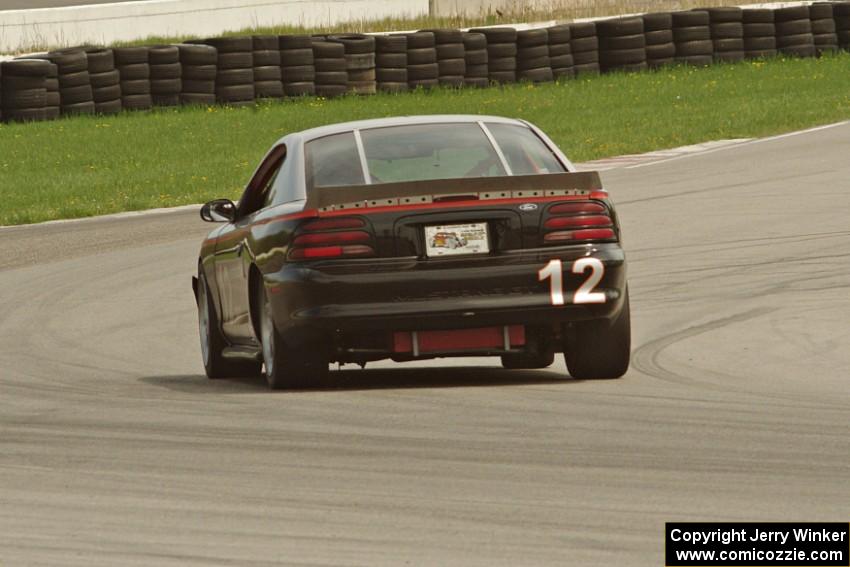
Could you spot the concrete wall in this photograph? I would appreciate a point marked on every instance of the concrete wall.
(22, 30)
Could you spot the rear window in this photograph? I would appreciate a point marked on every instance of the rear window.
(333, 160)
(429, 151)
(524, 151)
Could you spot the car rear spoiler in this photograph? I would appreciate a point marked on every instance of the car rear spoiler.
(483, 188)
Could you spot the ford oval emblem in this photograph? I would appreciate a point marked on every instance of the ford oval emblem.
(525, 207)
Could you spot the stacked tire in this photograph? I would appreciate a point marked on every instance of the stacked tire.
(23, 94)
(297, 65)
(234, 81)
(560, 52)
(359, 61)
(823, 27)
(199, 66)
(53, 102)
(451, 57)
(105, 81)
(759, 33)
(267, 71)
(75, 92)
(692, 36)
(422, 68)
(532, 57)
(727, 33)
(841, 15)
(794, 32)
(331, 76)
(658, 31)
(501, 53)
(391, 63)
(134, 71)
(166, 75)
(622, 45)
(585, 48)
(475, 56)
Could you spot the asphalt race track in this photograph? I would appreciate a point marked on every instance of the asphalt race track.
(116, 450)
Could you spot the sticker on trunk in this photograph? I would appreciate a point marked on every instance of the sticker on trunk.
(456, 239)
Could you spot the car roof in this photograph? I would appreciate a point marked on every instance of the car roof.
(322, 131)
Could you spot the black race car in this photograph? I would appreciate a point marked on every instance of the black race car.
(413, 238)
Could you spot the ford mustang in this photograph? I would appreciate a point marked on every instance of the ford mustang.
(413, 238)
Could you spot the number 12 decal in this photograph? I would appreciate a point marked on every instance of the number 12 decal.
(554, 270)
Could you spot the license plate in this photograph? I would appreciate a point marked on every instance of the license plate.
(456, 239)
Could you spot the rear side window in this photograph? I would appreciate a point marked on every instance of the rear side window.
(333, 161)
(524, 151)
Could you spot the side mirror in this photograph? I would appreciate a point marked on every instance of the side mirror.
(220, 210)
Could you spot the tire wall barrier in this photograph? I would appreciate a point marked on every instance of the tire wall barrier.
(239, 71)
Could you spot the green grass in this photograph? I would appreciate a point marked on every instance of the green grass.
(87, 166)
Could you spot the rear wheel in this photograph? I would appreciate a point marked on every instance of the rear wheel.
(600, 349)
(213, 343)
(528, 361)
(287, 367)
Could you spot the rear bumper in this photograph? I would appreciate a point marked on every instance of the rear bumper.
(400, 294)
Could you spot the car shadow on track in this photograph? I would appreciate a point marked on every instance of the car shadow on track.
(349, 379)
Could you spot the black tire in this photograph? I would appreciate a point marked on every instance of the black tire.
(133, 72)
(803, 39)
(497, 35)
(69, 60)
(22, 99)
(637, 41)
(302, 74)
(420, 40)
(163, 54)
(454, 67)
(139, 87)
(363, 87)
(558, 34)
(164, 87)
(268, 58)
(331, 90)
(619, 26)
(694, 33)
(109, 107)
(213, 342)
(821, 27)
(443, 35)
(25, 68)
(478, 41)
(502, 50)
(294, 42)
(661, 62)
(586, 57)
(586, 69)
(425, 72)
(298, 57)
(235, 93)
(528, 64)
(820, 11)
(482, 71)
(78, 79)
(393, 87)
(619, 57)
(451, 51)
(241, 44)
(659, 37)
(758, 16)
(286, 367)
(539, 75)
(690, 19)
(725, 14)
(166, 71)
(529, 361)
(107, 79)
(561, 61)
(424, 84)
(760, 30)
(391, 60)
(330, 65)
(268, 89)
(583, 44)
(759, 43)
(75, 95)
(354, 42)
(600, 349)
(698, 48)
(795, 27)
(199, 72)
(78, 109)
(476, 82)
(423, 56)
(199, 87)
(197, 54)
(25, 114)
(532, 38)
(502, 77)
(100, 60)
(236, 60)
(657, 22)
(533, 52)
(52, 85)
(271, 73)
(106, 94)
(799, 50)
(502, 64)
(299, 89)
(791, 13)
(360, 61)
(660, 51)
(11, 83)
(726, 45)
(727, 31)
(329, 78)
(52, 98)
(265, 43)
(166, 99)
(391, 75)
(556, 50)
(388, 44)
(361, 75)
(227, 77)
(130, 55)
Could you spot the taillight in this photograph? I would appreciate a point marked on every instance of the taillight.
(332, 238)
(583, 221)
